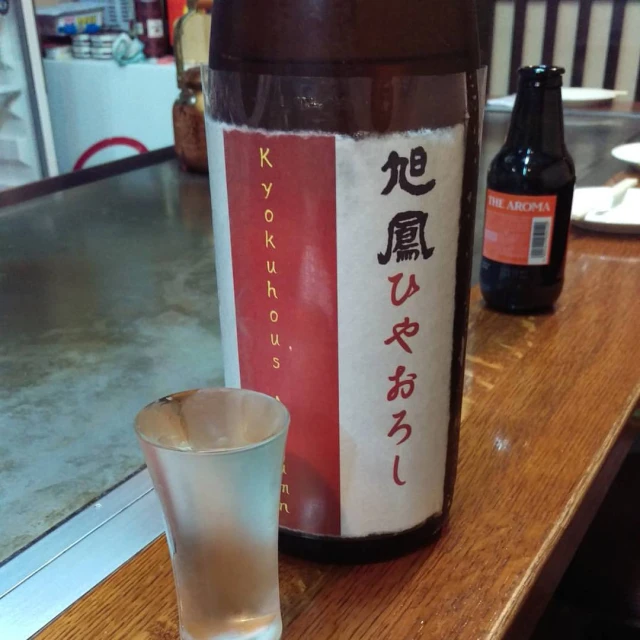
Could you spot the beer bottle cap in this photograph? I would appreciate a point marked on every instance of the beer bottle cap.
(541, 75)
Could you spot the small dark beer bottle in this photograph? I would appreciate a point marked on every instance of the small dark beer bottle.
(528, 206)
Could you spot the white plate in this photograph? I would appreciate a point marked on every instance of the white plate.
(586, 95)
(628, 153)
(625, 218)
(571, 97)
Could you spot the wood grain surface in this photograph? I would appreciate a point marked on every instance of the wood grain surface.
(546, 402)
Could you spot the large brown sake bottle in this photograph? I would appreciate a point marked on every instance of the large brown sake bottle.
(343, 148)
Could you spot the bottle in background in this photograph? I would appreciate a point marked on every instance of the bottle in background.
(191, 34)
(191, 50)
(150, 28)
(343, 151)
(529, 194)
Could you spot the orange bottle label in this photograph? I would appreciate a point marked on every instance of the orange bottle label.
(518, 229)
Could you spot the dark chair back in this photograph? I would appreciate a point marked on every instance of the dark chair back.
(598, 41)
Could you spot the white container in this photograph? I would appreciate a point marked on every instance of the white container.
(81, 50)
(69, 18)
(118, 14)
(102, 112)
(104, 39)
(61, 52)
(101, 53)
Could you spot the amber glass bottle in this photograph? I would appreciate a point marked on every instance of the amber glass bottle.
(343, 150)
(529, 195)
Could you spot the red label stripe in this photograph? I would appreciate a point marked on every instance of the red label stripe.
(282, 205)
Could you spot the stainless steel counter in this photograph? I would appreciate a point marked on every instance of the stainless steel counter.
(107, 301)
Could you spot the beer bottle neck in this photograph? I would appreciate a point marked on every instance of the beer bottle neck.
(537, 121)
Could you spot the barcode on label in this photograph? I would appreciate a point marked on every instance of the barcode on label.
(539, 245)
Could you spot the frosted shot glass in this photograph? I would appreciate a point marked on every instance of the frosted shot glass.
(215, 457)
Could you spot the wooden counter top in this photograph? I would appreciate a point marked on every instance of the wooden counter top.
(543, 433)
